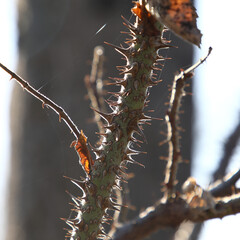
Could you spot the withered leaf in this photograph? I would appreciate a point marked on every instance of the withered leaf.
(81, 148)
(179, 16)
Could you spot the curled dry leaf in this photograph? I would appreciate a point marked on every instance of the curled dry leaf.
(179, 16)
(83, 152)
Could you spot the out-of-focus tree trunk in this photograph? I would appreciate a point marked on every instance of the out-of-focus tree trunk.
(56, 41)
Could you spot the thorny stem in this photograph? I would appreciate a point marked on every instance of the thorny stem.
(126, 120)
(172, 120)
(94, 86)
(121, 125)
(45, 101)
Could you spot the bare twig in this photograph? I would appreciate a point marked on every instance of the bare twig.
(45, 101)
(172, 120)
(229, 148)
(94, 85)
(225, 187)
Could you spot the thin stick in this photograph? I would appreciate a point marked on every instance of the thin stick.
(229, 148)
(94, 85)
(172, 120)
(45, 101)
(225, 186)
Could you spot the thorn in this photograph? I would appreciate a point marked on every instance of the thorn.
(156, 69)
(135, 140)
(151, 110)
(64, 219)
(97, 151)
(75, 199)
(111, 207)
(111, 127)
(120, 178)
(112, 103)
(78, 183)
(128, 33)
(136, 162)
(119, 82)
(130, 151)
(107, 117)
(164, 158)
(122, 171)
(139, 131)
(43, 105)
(116, 204)
(147, 123)
(163, 142)
(128, 158)
(115, 94)
(116, 79)
(124, 51)
(130, 41)
(133, 69)
(153, 83)
(101, 134)
(148, 118)
(60, 118)
(118, 187)
(128, 24)
(116, 170)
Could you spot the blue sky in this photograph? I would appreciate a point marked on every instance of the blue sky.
(216, 93)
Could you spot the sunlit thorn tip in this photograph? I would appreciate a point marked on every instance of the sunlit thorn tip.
(106, 116)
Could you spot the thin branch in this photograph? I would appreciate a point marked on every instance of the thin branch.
(171, 214)
(229, 148)
(45, 101)
(172, 120)
(94, 85)
(225, 186)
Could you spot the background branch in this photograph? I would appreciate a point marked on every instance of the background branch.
(172, 214)
(172, 120)
(229, 147)
(225, 187)
(94, 85)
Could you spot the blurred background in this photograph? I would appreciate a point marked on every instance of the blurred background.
(50, 44)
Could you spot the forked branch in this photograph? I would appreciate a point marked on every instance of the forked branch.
(172, 120)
